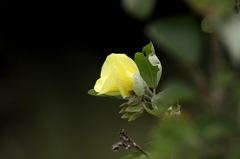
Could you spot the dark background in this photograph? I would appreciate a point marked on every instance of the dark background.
(51, 53)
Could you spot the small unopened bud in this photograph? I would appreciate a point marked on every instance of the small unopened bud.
(134, 100)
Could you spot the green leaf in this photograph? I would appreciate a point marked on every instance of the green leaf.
(164, 98)
(94, 93)
(135, 115)
(148, 49)
(138, 85)
(148, 72)
(163, 101)
(160, 103)
(134, 108)
(139, 9)
(180, 36)
(179, 90)
(150, 66)
(135, 155)
(127, 115)
(153, 59)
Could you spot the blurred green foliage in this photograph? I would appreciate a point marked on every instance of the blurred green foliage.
(179, 35)
(210, 137)
(212, 131)
(139, 9)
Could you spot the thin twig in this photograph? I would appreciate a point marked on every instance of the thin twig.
(147, 97)
(148, 91)
(128, 143)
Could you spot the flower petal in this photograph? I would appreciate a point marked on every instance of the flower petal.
(116, 76)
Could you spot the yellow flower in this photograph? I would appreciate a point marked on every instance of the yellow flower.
(116, 76)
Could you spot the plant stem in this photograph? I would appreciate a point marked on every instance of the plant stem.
(146, 96)
(154, 91)
(148, 92)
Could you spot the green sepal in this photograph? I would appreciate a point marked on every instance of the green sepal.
(123, 104)
(94, 93)
(173, 111)
(127, 115)
(134, 108)
(149, 69)
(135, 155)
(138, 85)
(123, 109)
(135, 115)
